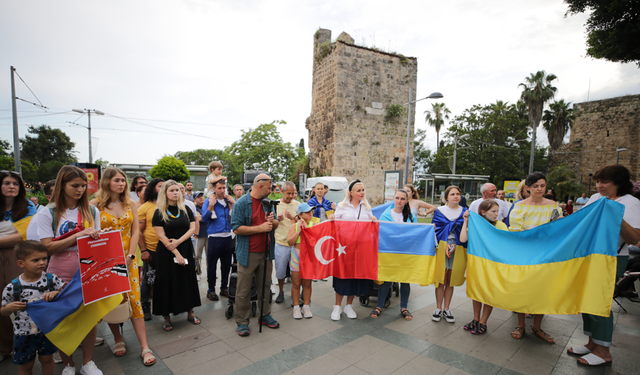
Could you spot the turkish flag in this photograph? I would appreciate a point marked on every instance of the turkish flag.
(345, 249)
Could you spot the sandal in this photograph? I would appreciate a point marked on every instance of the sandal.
(518, 333)
(119, 350)
(480, 329)
(150, 360)
(167, 326)
(544, 337)
(194, 319)
(578, 350)
(407, 315)
(376, 313)
(593, 360)
(471, 325)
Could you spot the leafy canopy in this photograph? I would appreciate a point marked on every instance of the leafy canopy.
(170, 168)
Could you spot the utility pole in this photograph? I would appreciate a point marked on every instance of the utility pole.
(88, 112)
(16, 133)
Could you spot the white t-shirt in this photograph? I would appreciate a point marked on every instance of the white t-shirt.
(397, 216)
(450, 213)
(23, 325)
(348, 212)
(631, 214)
(66, 223)
(504, 209)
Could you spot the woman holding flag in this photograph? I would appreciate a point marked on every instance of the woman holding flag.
(17, 212)
(117, 212)
(451, 255)
(354, 206)
(527, 214)
(400, 212)
(73, 217)
(612, 182)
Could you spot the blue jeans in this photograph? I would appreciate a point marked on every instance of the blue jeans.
(383, 290)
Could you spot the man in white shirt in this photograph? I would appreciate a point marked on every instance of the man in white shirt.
(580, 202)
(286, 211)
(501, 195)
(489, 191)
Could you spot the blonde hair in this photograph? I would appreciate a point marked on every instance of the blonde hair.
(347, 196)
(414, 191)
(521, 187)
(103, 196)
(65, 175)
(162, 204)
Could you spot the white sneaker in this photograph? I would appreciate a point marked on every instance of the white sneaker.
(56, 358)
(448, 316)
(68, 370)
(437, 314)
(306, 312)
(90, 369)
(99, 341)
(350, 313)
(335, 314)
(296, 312)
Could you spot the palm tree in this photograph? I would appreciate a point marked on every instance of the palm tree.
(557, 121)
(537, 90)
(435, 117)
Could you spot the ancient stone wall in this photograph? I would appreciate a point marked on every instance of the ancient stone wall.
(601, 127)
(350, 134)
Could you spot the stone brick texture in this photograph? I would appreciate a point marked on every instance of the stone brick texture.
(601, 127)
(349, 133)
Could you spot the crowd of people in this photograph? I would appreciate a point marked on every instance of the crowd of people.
(166, 227)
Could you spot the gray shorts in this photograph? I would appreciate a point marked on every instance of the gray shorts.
(283, 256)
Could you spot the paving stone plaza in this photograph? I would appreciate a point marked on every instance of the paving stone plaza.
(387, 345)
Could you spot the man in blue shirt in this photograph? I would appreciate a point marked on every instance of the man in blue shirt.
(252, 224)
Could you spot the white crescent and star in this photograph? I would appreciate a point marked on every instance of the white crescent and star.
(318, 250)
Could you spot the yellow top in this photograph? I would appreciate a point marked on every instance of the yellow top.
(145, 212)
(524, 216)
(283, 229)
(122, 223)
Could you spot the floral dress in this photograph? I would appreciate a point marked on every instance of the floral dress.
(123, 224)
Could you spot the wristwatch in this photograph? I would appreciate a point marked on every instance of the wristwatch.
(132, 256)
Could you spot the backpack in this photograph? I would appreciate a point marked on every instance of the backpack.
(17, 287)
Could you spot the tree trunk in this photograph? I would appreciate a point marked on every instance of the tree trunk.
(437, 141)
(533, 148)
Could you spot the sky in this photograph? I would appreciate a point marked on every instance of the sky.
(182, 75)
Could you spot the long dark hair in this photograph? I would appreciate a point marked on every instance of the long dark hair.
(20, 206)
(150, 194)
(406, 210)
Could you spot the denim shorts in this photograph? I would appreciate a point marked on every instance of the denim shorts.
(26, 347)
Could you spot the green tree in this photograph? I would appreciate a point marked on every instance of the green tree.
(613, 28)
(170, 168)
(564, 182)
(43, 144)
(104, 164)
(5, 148)
(435, 118)
(264, 145)
(557, 120)
(537, 90)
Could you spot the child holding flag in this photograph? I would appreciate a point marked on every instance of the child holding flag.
(488, 209)
(34, 283)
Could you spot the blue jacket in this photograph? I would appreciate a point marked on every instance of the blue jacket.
(386, 216)
(326, 204)
(241, 215)
(219, 225)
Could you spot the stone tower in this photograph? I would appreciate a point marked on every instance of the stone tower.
(355, 92)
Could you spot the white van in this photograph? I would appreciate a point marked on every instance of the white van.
(337, 187)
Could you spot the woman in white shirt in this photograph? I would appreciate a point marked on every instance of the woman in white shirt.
(353, 207)
(612, 182)
(72, 210)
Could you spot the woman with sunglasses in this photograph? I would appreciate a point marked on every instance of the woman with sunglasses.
(72, 213)
(14, 207)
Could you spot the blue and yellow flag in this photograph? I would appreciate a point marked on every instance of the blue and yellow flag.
(564, 267)
(406, 253)
(66, 320)
(22, 224)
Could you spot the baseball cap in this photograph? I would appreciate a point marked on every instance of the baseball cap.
(303, 207)
(197, 194)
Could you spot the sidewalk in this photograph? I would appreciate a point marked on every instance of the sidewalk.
(387, 345)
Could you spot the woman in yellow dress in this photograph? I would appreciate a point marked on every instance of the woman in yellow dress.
(118, 212)
(527, 214)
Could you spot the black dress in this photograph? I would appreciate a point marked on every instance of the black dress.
(176, 287)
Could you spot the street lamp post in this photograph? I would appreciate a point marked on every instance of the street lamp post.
(395, 160)
(590, 175)
(434, 95)
(88, 112)
(618, 151)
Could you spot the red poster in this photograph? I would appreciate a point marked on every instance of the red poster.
(102, 267)
(93, 183)
(345, 249)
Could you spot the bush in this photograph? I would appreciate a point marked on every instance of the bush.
(170, 168)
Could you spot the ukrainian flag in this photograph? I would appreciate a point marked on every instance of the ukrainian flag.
(22, 224)
(406, 252)
(564, 267)
(66, 320)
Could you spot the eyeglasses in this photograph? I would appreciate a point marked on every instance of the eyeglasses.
(11, 172)
(264, 179)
